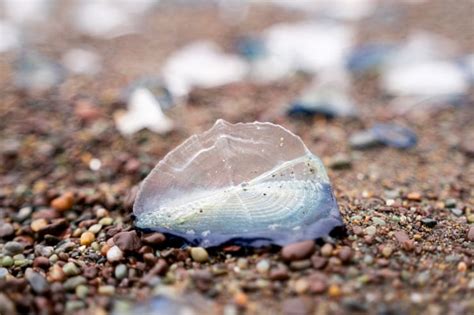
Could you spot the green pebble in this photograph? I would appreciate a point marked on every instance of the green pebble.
(95, 246)
(106, 221)
(19, 257)
(7, 261)
(95, 228)
(121, 271)
(20, 262)
(82, 291)
(53, 258)
(470, 218)
(70, 269)
(378, 221)
(72, 306)
(72, 283)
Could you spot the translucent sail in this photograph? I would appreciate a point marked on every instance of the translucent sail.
(252, 182)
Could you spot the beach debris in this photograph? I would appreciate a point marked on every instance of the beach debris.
(35, 72)
(155, 85)
(104, 19)
(427, 79)
(328, 95)
(144, 112)
(201, 64)
(387, 134)
(9, 36)
(82, 61)
(369, 57)
(245, 183)
(306, 46)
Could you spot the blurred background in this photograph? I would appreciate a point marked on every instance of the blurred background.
(93, 93)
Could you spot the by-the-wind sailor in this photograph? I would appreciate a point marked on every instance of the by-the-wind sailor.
(249, 183)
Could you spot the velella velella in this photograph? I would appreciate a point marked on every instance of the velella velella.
(248, 183)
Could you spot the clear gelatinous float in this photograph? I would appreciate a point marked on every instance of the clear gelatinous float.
(245, 183)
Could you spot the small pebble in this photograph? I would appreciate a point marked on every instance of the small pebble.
(345, 254)
(414, 196)
(378, 221)
(82, 291)
(127, 241)
(241, 299)
(70, 269)
(387, 251)
(106, 290)
(301, 286)
(428, 222)
(71, 283)
(450, 203)
(457, 212)
(24, 213)
(37, 282)
(263, 266)
(120, 271)
(470, 218)
(370, 230)
(199, 254)
(462, 267)
(154, 239)
(63, 202)
(340, 161)
(95, 228)
(73, 306)
(114, 254)
(279, 274)
(3, 273)
(326, 250)
(87, 238)
(106, 221)
(334, 291)
(470, 234)
(298, 251)
(7, 261)
(13, 248)
(6, 229)
(101, 213)
(38, 224)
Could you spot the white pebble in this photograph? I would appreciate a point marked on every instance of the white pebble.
(114, 254)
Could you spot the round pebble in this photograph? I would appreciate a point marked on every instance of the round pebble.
(114, 254)
(199, 254)
(7, 261)
(470, 234)
(82, 291)
(63, 202)
(38, 224)
(87, 238)
(370, 230)
(326, 250)
(70, 269)
(13, 248)
(120, 271)
(263, 266)
(298, 251)
(3, 273)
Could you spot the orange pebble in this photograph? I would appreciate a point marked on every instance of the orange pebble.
(334, 291)
(63, 202)
(241, 299)
(87, 238)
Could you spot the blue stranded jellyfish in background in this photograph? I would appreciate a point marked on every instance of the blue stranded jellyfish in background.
(249, 183)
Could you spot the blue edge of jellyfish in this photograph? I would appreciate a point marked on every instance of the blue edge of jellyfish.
(331, 226)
